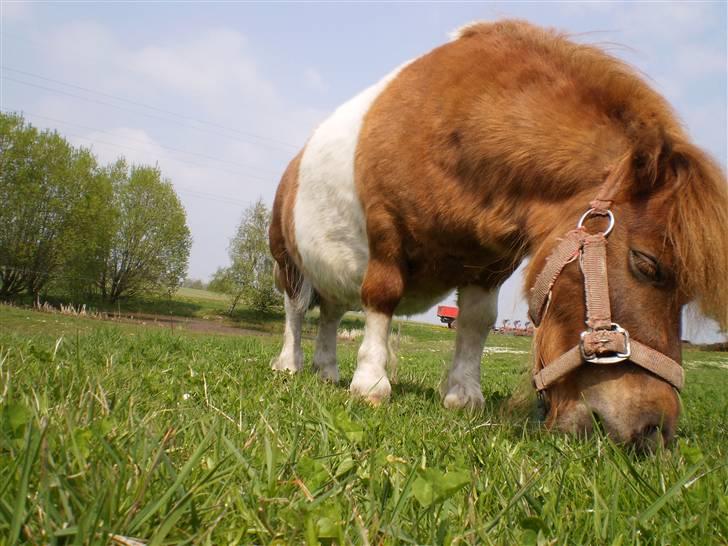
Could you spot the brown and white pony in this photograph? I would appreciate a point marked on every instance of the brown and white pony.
(460, 164)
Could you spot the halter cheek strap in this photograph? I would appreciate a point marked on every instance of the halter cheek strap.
(603, 342)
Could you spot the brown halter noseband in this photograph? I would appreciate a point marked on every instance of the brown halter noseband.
(603, 342)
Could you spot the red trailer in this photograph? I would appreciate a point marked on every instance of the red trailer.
(447, 314)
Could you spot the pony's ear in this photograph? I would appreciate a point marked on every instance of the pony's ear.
(650, 158)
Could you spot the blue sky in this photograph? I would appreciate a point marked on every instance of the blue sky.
(235, 88)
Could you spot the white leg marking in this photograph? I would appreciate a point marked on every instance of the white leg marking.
(324, 357)
(370, 378)
(478, 310)
(291, 357)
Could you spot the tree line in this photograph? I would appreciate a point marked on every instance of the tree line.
(73, 226)
(249, 277)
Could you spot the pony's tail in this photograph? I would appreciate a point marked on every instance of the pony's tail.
(290, 281)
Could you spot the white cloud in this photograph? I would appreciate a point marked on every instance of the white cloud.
(82, 45)
(135, 144)
(211, 75)
(213, 67)
(210, 68)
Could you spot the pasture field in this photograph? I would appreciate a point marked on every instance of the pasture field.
(175, 437)
(186, 304)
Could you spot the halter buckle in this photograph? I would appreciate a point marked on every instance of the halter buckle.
(617, 356)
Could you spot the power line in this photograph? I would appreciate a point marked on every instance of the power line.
(270, 141)
(176, 150)
(211, 196)
(151, 107)
(122, 146)
(226, 199)
(146, 114)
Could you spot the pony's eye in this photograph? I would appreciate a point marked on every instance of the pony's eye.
(646, 268)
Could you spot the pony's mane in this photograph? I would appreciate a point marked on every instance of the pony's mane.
(697, 228)
(643, 135)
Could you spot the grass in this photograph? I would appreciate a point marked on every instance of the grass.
(185, 303)
(199, 294)
(184, 438)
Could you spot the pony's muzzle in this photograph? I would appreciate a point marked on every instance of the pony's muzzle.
(647, 434)
(632, 406)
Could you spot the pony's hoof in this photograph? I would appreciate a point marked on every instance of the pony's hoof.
(374, 390)
(462, 397)
(328, 373)
(287, 363)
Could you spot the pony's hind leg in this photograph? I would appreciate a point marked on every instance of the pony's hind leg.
(291, 357)
(297, 296)
(324, 357)
(478, 309)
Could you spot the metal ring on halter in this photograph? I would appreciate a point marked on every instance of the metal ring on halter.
(589, 212)
(615, 358)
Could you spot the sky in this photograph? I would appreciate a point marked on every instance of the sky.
(222, 95)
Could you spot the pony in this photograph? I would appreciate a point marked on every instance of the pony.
(508, 143)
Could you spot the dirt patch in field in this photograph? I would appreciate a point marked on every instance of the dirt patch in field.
(206, 326)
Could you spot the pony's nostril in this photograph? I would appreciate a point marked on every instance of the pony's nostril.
(650, 432)
(597, 423)
(650, 438)
(594, 424)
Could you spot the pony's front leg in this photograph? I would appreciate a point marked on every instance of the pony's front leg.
(477, 313)
(381, 291)
(370, 379)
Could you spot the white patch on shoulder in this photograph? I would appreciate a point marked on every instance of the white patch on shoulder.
(328, 217)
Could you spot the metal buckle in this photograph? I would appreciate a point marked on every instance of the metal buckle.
(588, 213)
(618, 357)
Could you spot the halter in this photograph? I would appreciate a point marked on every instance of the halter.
(603, 342)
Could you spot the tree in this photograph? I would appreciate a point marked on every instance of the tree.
(65, 222)
(45, 184)
(223, 282)
(150, 245)
(197, 284)
(250, 274)
(88, 239)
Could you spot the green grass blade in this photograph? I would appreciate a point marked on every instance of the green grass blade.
(513, 500)
(30, 454)
(670, 493)
(148, 511)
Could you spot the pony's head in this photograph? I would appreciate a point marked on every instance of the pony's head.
(668, 246)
